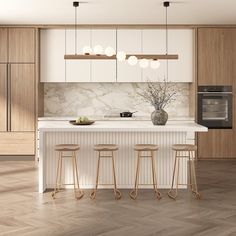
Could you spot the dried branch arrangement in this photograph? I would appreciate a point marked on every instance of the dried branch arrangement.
(159, 95)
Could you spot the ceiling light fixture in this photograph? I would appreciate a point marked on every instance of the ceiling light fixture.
(121, 56)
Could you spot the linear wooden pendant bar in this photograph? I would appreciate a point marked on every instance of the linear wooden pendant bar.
(104, 57)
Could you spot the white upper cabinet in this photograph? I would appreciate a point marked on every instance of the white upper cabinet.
(154, 43)
(77, 70)
(103, 70)
(180, 41)
(52, 50)
(129, 41)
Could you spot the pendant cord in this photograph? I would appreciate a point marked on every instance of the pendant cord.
(75, 30)
(167, 62)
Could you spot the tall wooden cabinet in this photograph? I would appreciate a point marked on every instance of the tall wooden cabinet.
(216, 66)
(17, 91)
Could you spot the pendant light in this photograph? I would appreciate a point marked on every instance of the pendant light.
(121, 56)
(166, 5)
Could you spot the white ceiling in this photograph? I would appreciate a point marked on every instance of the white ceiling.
(117, 12)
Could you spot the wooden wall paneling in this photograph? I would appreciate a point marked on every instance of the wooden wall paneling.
(3, 97)
(3, 45)
(22, 83)
(21, 45)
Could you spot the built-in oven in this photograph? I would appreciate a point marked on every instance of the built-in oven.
(215, 106)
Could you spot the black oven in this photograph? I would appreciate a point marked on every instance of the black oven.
(215, 106)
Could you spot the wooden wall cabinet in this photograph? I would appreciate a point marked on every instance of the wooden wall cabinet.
(3, 97)
(215, 56)
(216, 66)
(21, 45)
(3, 45)
(22, 97)
(17, 91)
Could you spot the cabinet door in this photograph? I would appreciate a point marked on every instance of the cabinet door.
(3, 97)
(78, 70)
(21, 45)
(52, 61)
(129, 41)
(154, 43)
(216, 143)
(22, 97)
(215, 56)
(103, 70)
(180, 42)
(3, 45)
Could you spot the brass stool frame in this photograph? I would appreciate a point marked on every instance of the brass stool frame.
(117, 193)
(192, 174)
(134, 193)
(57, 188)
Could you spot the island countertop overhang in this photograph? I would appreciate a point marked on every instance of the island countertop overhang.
(121, 126)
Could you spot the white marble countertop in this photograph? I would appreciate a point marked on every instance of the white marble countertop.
(113, 118)
(121, 126)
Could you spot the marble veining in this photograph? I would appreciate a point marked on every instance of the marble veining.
(99, 99)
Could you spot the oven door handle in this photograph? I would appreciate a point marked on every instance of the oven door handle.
(217, 93)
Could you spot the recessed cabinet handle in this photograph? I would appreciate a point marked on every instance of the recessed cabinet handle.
(9, 97)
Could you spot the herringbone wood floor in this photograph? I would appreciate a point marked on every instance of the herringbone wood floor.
(25, 212)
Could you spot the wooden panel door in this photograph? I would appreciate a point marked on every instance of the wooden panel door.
(215, 56)
(3, 97)
(21, 45)
(22, 98)
(216, 143)
(3, 45)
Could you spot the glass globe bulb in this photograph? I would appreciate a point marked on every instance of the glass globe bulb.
(132, 60)
(87, 50)
(155, 64)
(98, 50)
(109, 51)
(121, 56)
(144, 63)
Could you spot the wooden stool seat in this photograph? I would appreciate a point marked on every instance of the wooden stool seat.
(67, 147)
(184, 151)
(184, 147)
(150, 149)
(146, 147)
(106, 147)
(72, 149)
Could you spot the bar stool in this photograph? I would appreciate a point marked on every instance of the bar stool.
(106, 148)
(151, 148)
(179, 149)
(73, 148)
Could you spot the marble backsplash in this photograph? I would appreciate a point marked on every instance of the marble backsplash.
(99, 99)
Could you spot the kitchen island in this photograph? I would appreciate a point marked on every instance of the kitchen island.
(123, 133)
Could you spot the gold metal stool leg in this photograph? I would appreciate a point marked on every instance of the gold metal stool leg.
(194, 191)
(94, 192)
(173, 180)
(134, 193)
(154, 178)
(80, 193)
(117, 193)
(58, 176)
